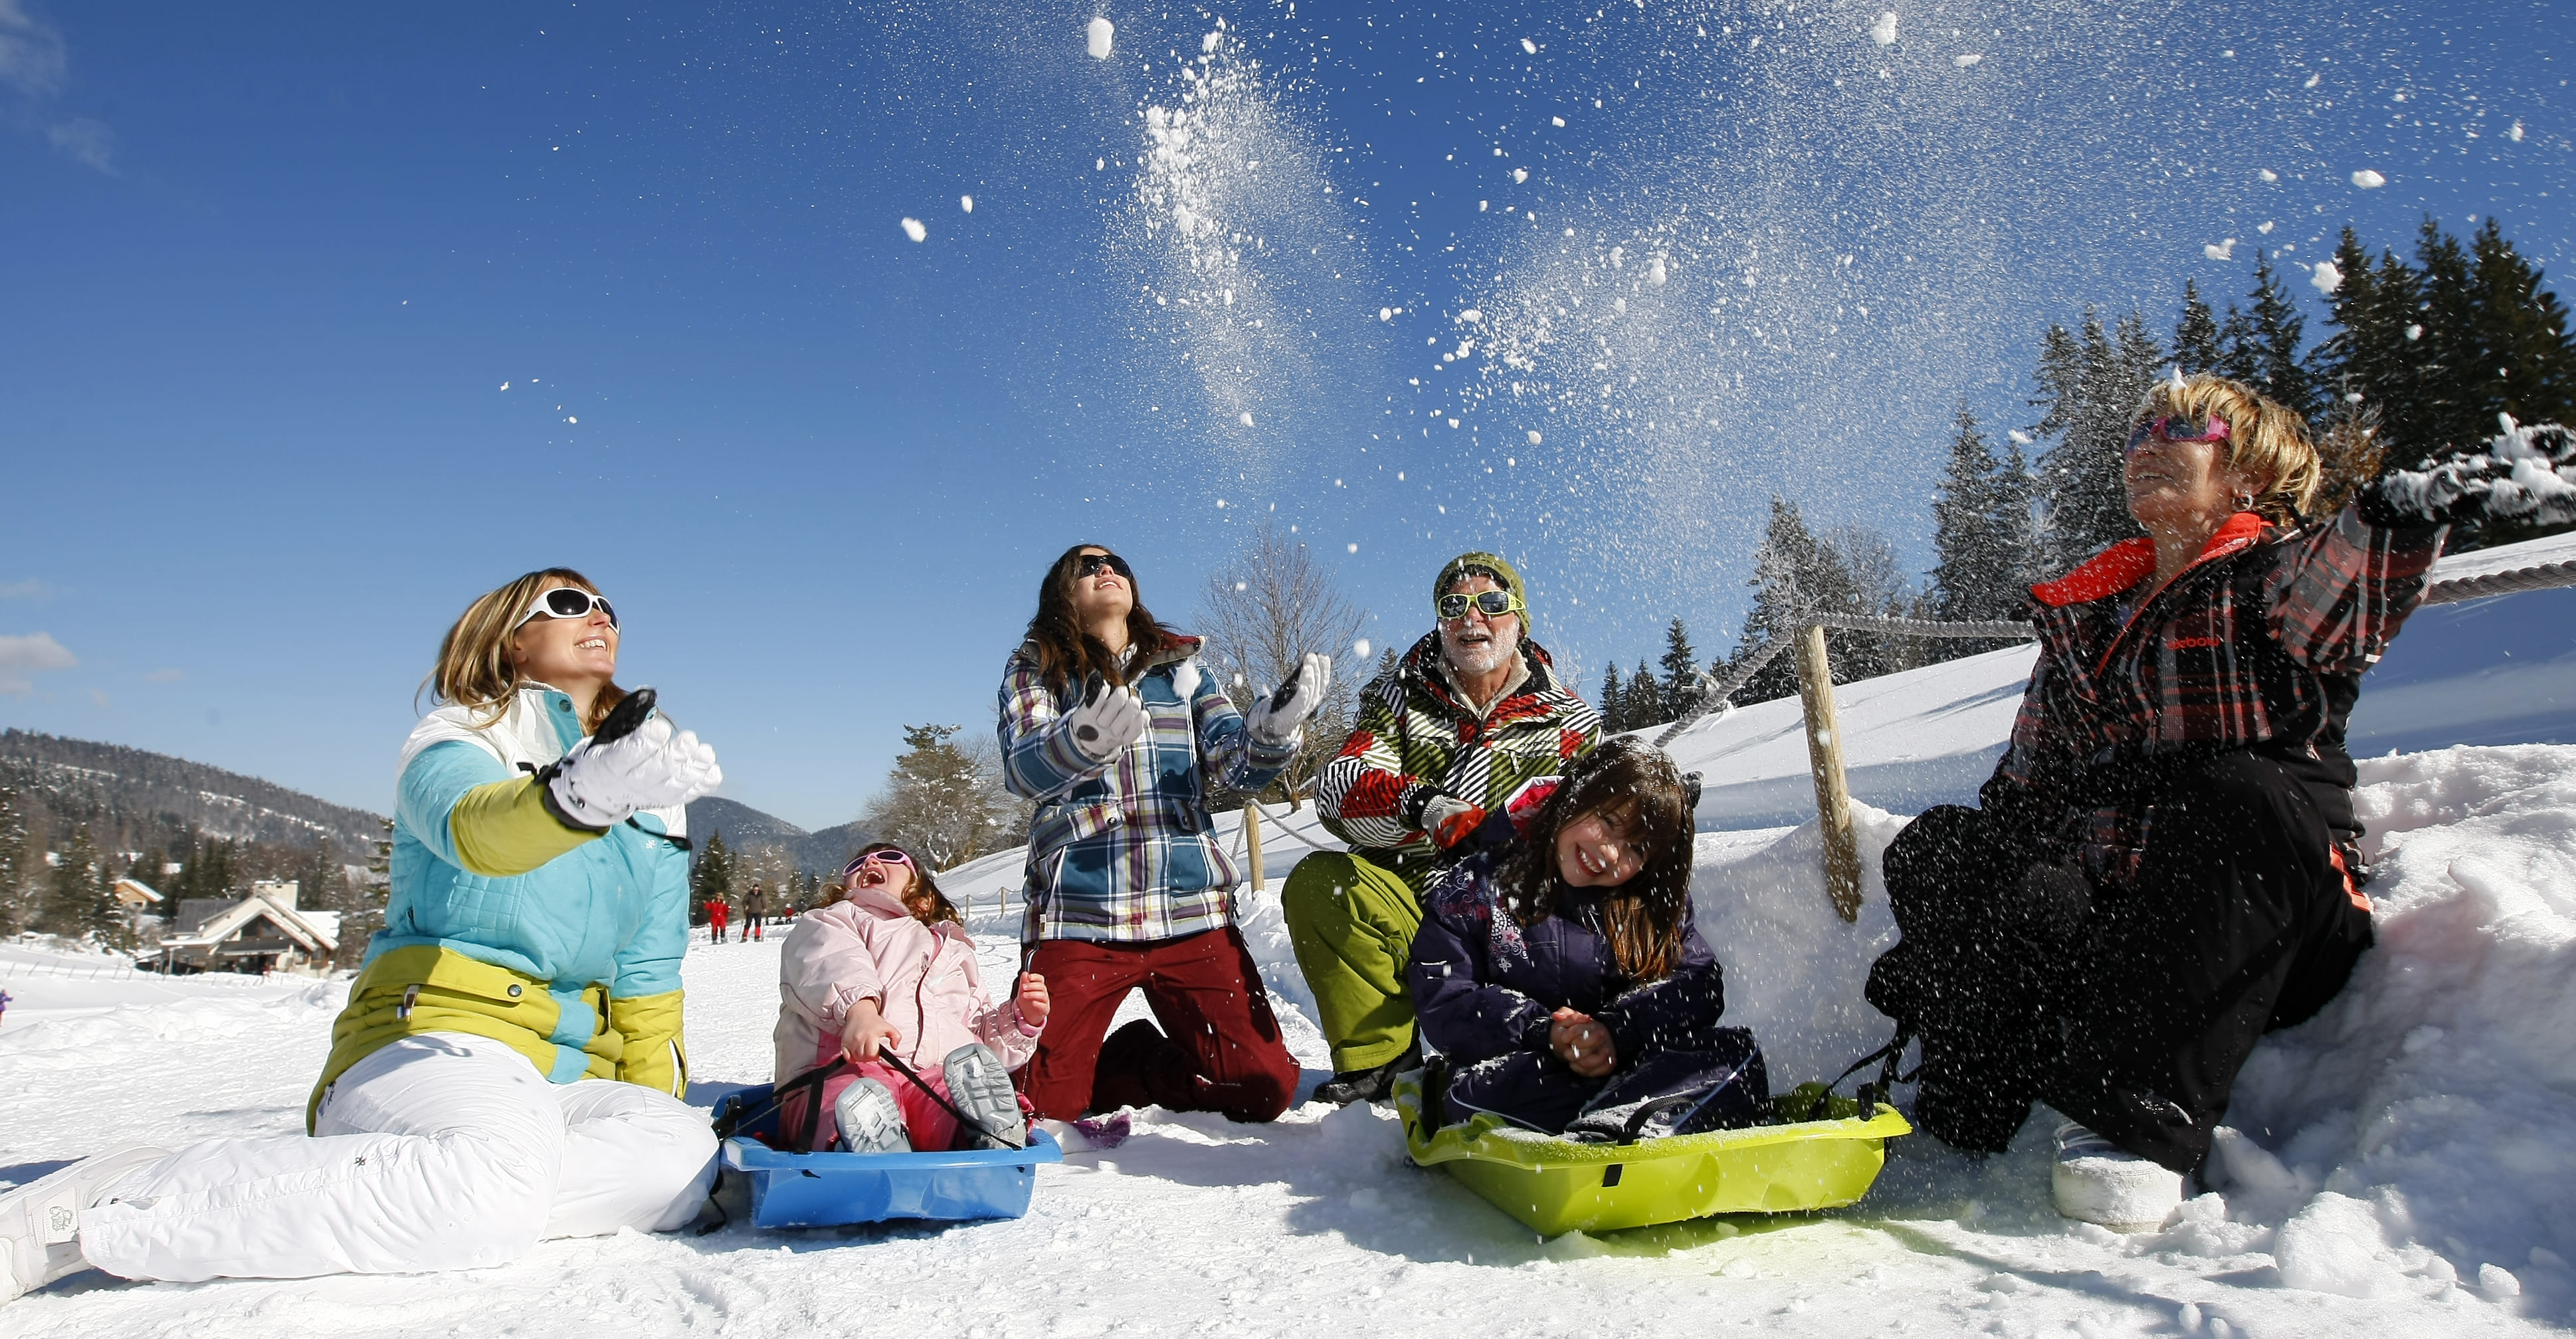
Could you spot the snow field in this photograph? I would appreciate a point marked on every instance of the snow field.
(2399, 1170)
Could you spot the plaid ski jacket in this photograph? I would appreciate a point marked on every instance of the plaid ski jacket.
(2260, 643)
(1124, 852)
(1417, 739)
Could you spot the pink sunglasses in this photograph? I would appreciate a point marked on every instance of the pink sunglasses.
(2178, 428)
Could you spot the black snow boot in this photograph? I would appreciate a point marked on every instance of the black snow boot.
(1374, 1084)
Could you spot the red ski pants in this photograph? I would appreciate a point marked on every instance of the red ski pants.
(1221, 1049)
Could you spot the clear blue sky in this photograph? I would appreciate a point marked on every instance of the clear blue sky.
(267, 269)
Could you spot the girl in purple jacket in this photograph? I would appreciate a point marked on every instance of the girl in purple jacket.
(1559, 975)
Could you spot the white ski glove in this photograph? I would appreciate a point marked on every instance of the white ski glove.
(2528, 475)
(1109, 719)
(606, 778)
(1275, 718)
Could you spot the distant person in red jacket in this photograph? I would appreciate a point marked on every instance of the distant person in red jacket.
(717, 914)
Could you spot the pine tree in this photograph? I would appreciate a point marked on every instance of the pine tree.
(1644, 704)
(2454, 421)
(77, 903)
(2529, 364)
(1614, 713)
(711, 878)
(15, 866)
(2196, 344)
(1980, 536)
(1681, 672)
(1798, 573)
(2262, 347)
(935, 803)
(2089, 389)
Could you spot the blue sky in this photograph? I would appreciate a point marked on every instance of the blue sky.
(268, 271)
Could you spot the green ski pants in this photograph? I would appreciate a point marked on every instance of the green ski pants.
(1352, 924)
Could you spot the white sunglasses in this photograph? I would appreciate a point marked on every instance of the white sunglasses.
(567, 602)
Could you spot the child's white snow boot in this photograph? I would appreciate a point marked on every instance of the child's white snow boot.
(870, 1121)
(981, 1088)
(40, 1221)
(2096, 1182)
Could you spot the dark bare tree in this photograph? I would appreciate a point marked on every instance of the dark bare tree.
(1264, 610)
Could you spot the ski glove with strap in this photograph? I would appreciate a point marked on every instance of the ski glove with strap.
(1275, 718)
(2527, 475)
(1110, 718)
(636, 761)
(1450, 820)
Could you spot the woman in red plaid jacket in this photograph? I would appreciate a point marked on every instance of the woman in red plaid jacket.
(2164, 866)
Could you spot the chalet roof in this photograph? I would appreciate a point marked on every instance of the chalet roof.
(135, 890)
(308, 932)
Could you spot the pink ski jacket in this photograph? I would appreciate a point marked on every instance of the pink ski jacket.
(923, 978)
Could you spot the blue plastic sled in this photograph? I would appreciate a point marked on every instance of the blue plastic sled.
(832, 1189)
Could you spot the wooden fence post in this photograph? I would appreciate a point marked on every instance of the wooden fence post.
(1825, 759)
(1252, 841)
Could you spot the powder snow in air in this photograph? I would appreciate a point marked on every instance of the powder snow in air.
(967, 203)
(1360, 648)
(1353, 548)
(2515, 134)
(1883, 32)
(1559, 120)
(1470, 316)
(1208, 43)
(2368, 180)
(1967, 58)
(505, 385)
(1533, 436)
(1532, 48)
(2326, 277)
(1386, 313)
(1097, 38)
(1245, 418)
(2220, 250)
(1655, 270)
(913, 229)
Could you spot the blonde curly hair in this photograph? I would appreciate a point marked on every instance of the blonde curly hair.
(2264, 438)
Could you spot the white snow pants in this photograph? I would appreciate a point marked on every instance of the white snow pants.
(441, 1151)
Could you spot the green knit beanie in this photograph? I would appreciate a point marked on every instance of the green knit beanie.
(1490, 563)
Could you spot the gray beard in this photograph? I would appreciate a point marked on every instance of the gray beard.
(1471, 660)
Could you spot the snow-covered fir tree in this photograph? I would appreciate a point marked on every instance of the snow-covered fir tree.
(2090, 383)
(1680, 665)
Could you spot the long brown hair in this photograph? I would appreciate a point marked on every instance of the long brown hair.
(1067, 653)
(941, 909)
(1633, 786)
(474, 668)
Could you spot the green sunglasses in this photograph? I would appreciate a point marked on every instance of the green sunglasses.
(1494, 603)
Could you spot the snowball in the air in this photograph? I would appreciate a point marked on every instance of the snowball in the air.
(1967, 58)
(1360, 648)
(1386, 313)
(1655, 270)
(2368, 180)
(1532, 48)
(1519, 175)
(1209, 42)
(912, 228)
(1560, 121)
(1533, 436)
(1246, 418)
(572, 418)
(1470, 316)
(1883, 32)
(1354, 548)
(2220, 250)
(967, 203)
(2326, 277)
(505, 385)
(2268, 174)
(1098, 38)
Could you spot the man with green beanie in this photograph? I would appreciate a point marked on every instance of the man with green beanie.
(1466, 717)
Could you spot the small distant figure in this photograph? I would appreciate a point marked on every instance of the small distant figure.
(4, 1005)
(717, 914)
(755, 911)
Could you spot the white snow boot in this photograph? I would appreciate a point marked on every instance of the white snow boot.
(2097, 1183)
(981, 1088)
(40, 1221)
(870, 1121)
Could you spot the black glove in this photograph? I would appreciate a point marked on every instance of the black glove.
(2527, 474)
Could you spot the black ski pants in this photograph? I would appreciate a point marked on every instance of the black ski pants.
(2133, 1014)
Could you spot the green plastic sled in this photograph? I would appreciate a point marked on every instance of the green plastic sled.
(1557, 1186)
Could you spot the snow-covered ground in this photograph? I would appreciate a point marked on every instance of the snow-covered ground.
(2399, 1165)
(2403, 1167)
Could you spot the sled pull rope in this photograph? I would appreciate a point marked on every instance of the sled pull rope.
(899, 1067)
(1871, 1094)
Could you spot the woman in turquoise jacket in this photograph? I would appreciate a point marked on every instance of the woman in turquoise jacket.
(509, 1066)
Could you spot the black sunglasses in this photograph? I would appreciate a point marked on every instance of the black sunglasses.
(1093, 562)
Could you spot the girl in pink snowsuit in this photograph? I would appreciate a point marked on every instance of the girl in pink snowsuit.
(891, 966)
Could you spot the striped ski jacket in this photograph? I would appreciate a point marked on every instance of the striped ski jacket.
(2260, 643)
(1417, 739)
(1124, 851)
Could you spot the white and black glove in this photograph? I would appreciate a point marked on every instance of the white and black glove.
(1275, 718)
(2527, 475)
(1110, 718)
(636, 761)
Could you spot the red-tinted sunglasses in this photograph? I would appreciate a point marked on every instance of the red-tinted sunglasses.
(2178, 428)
